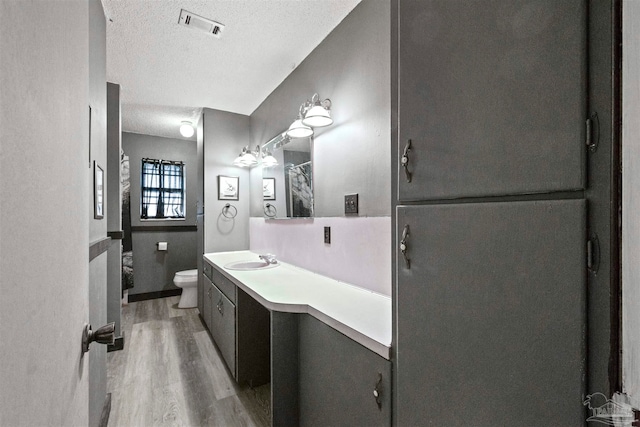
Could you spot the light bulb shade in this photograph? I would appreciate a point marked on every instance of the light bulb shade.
(186, 129)
(317, 116)
(299, 130)
(238, 161)
(269, 161)
(248, 160)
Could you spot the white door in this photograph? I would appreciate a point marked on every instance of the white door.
(45, 197)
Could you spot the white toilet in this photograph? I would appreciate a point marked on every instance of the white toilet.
(188, 281)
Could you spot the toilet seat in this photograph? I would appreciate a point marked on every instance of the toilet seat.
(187, 273)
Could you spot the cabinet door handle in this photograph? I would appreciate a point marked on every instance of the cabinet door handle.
(405, 160)
(221, 306)
(377, 391)
(403, 246)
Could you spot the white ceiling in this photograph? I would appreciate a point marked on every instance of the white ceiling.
(168, 72)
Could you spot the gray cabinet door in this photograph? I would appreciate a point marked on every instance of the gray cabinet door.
(207, 301)
(223, 327)
(491, 314)
(492, 95)
(337, 379)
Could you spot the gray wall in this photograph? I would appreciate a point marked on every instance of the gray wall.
(137, 147)
(45, 197)
(352, 68)
(224, 136)
(153, 270)
(631, 200)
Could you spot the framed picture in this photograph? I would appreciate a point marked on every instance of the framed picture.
(269, 188)
(228, 187)
(98, 191)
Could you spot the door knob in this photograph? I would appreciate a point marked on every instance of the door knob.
(103, 335)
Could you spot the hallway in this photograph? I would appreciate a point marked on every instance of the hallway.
(170, 373)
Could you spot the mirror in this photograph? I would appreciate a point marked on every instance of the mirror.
(288, 186)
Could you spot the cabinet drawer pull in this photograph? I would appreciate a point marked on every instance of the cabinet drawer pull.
(403, 246)
(377, 391)
(405, 160)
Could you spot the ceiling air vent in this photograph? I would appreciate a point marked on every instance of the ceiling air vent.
(196, 22)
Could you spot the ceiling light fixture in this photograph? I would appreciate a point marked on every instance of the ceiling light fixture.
(186, 129)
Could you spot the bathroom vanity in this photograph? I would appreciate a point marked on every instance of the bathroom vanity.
(324, 345)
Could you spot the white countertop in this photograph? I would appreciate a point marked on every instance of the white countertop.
(362, 315)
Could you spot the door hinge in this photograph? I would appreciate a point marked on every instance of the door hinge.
(593, 254)
(592, 137)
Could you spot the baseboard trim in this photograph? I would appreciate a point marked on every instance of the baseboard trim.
(106, 411)
(118, 344)
(154, 295)
(156, 228)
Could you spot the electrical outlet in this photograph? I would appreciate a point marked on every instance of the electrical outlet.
(351, 204)
(327, 235)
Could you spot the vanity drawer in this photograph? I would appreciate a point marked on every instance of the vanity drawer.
(206, 268)
(225, 285)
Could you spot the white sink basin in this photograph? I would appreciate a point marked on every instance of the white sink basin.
(250, 265)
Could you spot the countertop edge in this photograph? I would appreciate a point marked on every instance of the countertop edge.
(368, 342)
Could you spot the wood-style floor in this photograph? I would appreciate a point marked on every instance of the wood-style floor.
(170, 374)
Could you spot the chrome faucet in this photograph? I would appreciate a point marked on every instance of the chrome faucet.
(269, 258)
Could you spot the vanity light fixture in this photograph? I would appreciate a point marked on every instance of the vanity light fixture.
(312, 114)
(299, 129)
(318, 113)
(249, 159)
(268, 160)
(246, 159)
(186, 129)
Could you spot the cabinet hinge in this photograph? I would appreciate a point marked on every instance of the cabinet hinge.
(593, 253)
(592, 137)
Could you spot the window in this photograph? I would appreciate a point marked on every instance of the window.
(162, 189)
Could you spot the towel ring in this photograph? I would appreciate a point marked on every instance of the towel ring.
(225, 210)
(268, 208)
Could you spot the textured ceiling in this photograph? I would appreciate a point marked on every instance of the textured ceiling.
(168, 72)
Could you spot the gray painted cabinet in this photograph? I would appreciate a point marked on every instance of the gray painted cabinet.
(223, 327)
(490, 308)
(219, 313)
(492, 96)
(337, 379)
(492, 320)
(207, 301)
(239, 327)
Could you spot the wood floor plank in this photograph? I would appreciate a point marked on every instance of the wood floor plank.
(154, 309)
(171, 374)
(221, 379)
(170, 406)
(257, 402)
(229, 412)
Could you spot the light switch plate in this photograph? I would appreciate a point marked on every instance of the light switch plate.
(351, 204)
